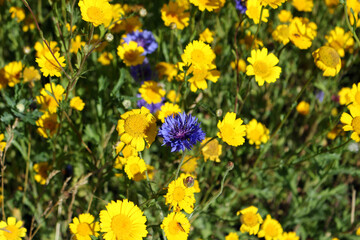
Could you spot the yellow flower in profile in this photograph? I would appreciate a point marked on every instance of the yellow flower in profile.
(135, 167)
(231, 130)
(262, 65)
(2, 144)
(232, 236)
(180, 197)
(353, 6)
(13, 73)
(151, 92)
(168, 109)
(212, 150)
(355, 94)
(166, 69)
(176, 226)
(303, 108)
(12, 230)
(285, 16)
(18, 13)
(31, 75)
(250, 220)
(105, 58)
(270, 229)
(123, 220)
(256, 133)
(96, 12)
(345, 96)
(328, 60)
(127, 151)
(41, 170)
(200, 75)
(289, 236)
(68, 27)
(137, 128)
(190, 164)
(209, 5)
(198, 54)
(303, 5)
(47, 125)
(272, 3)
(77, 103)
(206, 36)
(42, 49)
(131, 53)
(302, 32)
(281, 34)
(50, 96)
(253, 11)
(49, 66)
(358, 231)
(84, 227)
(173, 96)
(76, 44)
(183, 3)
(340, 41)
(3, 79)
(241, 66)
(352, 122)
(174, 15)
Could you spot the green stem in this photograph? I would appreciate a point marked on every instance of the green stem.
(181, 162)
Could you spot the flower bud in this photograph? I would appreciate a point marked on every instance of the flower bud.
(230, 165)
(109, 37)
(143, 12)
(219, 112)
(189, 181)
(126, 103)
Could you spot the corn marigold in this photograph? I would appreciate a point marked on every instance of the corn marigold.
(166, 69)
(340, 41)
(198, 54)
(13, 73)
(180, 197)
(209, 5)
(206, 36)
(176, 226)
(289, 236)
(352, 122)
(168, 109)
(190, 164)
(131, 53)
(18, 13)
(174, 15)
(302, 32)
(355, 94)
(328, 60)
(105, 58)
(96, 12)
(285, 16)
(254, 9)
(84, 227)
(231, 130)
(303, 5)
(77, 103)
(270, 229)
(42, 49)
(47, 124)
(49, 66)
(151, 92)
(135, 167)
(345, 96)
(31, 75)
(42, 172)
(272, 3)
(232, 236)
(250, 220)
(256, 133)
(76, 44)
(2, 144)
(281, 34)
(212, 150)
(12, 229)
(241, 66)
(50, 97)
(303, 108)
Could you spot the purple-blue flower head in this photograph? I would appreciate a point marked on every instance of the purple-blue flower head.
(153, 107)
(142, 72)
(240, 5)
(181, 132)
(144, 38)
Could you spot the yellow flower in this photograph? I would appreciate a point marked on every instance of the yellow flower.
(231, 130)
(331, 4)
(168, 109)
(250, 220)
(127, 151)
(334, 132)
(270, 229)
(173, 96)
(200, 75)
(18, 13)
(303, 5)
(281, 34)
(47, 125)
(42, 49)
(3, 80)
(117, 14)
(76, 44)
(77, 103)
(345, 96)
(95, 11)
(328, 60)
(253, 11)
(176, 226)
(256, 133)
(302, 32)
(272, 3)
(41, 170)
(352, 122)
(84, 227)
(151, 92)
(190, 164)
(355, 6)
(198, 54)
(340, 41)
(212, 150)
(262, 65)
(232, 236)
(131, 53)
(105, 58)
(241, 66)
(174, 15)
(289, 236)
(355, 94)
(68, 27)
(303, 108)
(49, 66)
(30, 75)
(50, 96)
(285, 16)
(123, 220)
(137, 128)
(12, 230)
(180, 197)
(2, 144)
(206, 36)
(135, 167)
(209, 5)
(13, 73)
(358, 231)
(166, 69)
(183, 3)
(128, 25)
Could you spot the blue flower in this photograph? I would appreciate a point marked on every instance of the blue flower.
(181, 132)
(240, 5)
(142, 72)
(153, 107)
(144, 38)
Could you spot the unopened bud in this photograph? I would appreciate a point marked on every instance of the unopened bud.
(143, 12)
(20, 107)
(219, 112)
(230, 165)
(109, 37)
(173, 25)
(27, 50)
(126, 103)
(189, 181)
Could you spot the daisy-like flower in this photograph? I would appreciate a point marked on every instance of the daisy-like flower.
(181, 132)
(131, 53)
(41, 170)
(128, 25)
(254, 11)
(176, 226)
(137, 128)
(302, 32)
(96, 12)
(13, 73)
(127, 151)
(250, 220)
(2, 144)
(231, 130)
(180, 196)
(212, 150)
(352, 122)
(353, 9)
(173, 96)
(272, 3)
(328, 60)
(42, 49)
(77, 103)
(118, 13)
(200, 75)
(303, 5)
(355, 94)
(76, 44)
(198, 54)
(281, 34)
(206, 36)
(303, 108)
(241, 66)
(31, 75)
(174, 15)
(123, 220)
(263, 66)
(289, 236)
(49, 66)
(190, 164)
(144, 39)
(12, 230)
(135, 167)
(151, 92)
(166, 69)
(84, 227)
(270, 229)
(256, 133)
(340, 41)
(153, 107)
(168, 109)
(105, 58)
(345, 96)
(232, 236)
(358, 231)
(50, 96)
(3, 79)
(47, 124)
(209, 5)
(17, 13)
(285, 16)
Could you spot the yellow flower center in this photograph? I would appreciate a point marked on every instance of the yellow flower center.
(121, 224)
(250, 219)
(329, 56)
(11, 232)
(271, 230)
(84, 229)
(175, 227)
(131, 55)
(227, 131)
(255, 134)
(356, 124)
(197, 56)
(95, 14)
(134, 168)
(178, 194)
(136, 125)
(261, 68)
